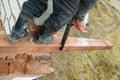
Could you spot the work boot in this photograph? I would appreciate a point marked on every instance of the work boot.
(19, 30)
(44, 36)
(14, 37)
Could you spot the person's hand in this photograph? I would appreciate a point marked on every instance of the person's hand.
(81, 25)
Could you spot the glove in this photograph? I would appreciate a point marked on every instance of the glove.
(81, 24)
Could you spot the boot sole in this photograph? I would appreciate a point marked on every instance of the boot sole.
(42, 42)
(14, 41)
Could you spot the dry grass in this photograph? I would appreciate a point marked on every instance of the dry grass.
(93, 65)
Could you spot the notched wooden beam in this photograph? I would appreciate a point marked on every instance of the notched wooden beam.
(72, 44)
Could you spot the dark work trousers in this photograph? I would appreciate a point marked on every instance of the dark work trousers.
(63, 12)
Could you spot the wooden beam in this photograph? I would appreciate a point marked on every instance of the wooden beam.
(72, 44)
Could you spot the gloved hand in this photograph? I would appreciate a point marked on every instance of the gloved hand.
(81, 24)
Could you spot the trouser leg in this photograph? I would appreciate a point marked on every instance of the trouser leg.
(30, 9)
(85, 7)
(63, 12)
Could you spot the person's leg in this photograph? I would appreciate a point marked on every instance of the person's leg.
(82, 16)
(30, 9)
(63, 12)
(85, 7)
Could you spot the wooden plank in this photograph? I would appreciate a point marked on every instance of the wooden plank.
(34, 67)
(4, 67)
(72, 44)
